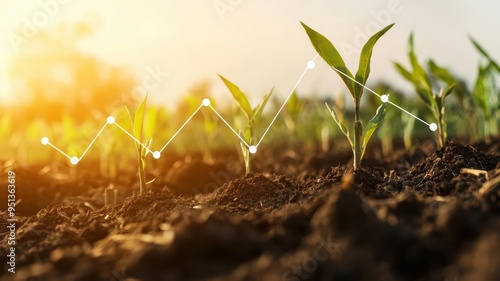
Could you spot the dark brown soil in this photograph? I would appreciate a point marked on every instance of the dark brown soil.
(303, 215)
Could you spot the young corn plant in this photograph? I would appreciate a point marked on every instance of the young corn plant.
(463, 96)
(137, 119)
(424, 88)
(332, 57)
(252, 116)
(486, 93)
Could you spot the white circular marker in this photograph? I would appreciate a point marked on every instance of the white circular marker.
(252, 149)
(433, 127)
(311, 64)
(74, 160)
(384, 98)
(206, 102)
(156, 155)
(110, 120)
(45, 140)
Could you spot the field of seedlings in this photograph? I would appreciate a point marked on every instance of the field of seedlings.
(379, 185)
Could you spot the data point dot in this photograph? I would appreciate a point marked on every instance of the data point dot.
(74, 160)
(384, 98)
(252, 149)
(111, 120)
(433, 127)
(206, 102)
(311, 64)
(156, 155)
(45, 140)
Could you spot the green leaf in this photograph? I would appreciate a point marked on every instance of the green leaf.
(485, 54)
(239, 96)
(419, 73)
(373, 124)
(294, 105)
(418, 76)
(409, 76)
(404, 72)
(341, 125)
(246, 134)
(481, 89)
(151, 121)
(330, 55)
(440, 72)
(257, 111)
(448, 90)
(139, 119)
(364, 60)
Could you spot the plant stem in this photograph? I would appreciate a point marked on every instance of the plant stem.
(247, 155)
(358, 131)
(441, 129)
(142, 173)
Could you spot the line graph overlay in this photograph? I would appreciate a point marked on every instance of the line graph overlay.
(231, 128)
(385, 98)
(95, 138)
(206, 103)
(182, 127)
(134, 138)
(310, 65)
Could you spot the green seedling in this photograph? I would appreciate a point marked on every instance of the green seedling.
(422, 83)
(252, 116)
(486, 92)
(137, 119)
(332, 57)
(463, 96)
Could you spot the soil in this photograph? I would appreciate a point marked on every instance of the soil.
(420, 214)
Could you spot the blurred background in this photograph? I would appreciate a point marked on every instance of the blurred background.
(71, 61)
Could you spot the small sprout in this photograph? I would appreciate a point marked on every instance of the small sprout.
(137, 119)
(332, 57)
(110, 195)
(252, 116)
(486, 92)
(425, 90)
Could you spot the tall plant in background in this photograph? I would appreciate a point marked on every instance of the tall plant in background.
(332, 57)
(252, 117)
(462, 94)
(424, 88)
(486, 93)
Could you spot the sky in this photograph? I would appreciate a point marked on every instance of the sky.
(259, 44)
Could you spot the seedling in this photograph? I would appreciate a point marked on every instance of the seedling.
(486, 92)
(252, 116)
(332, 57)
(137, 119)
(422, 84)
(463, 96)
